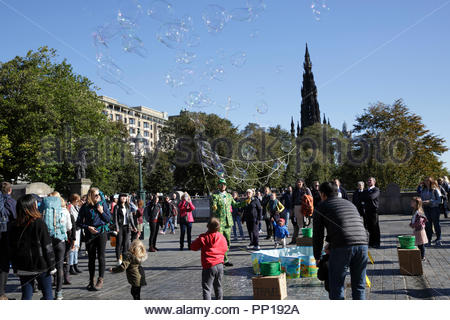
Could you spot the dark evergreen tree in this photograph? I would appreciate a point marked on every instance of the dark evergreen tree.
(292, 127)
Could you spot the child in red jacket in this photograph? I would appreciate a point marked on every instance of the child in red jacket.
(213, 245)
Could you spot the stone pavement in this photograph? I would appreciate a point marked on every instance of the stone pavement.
(175, 275)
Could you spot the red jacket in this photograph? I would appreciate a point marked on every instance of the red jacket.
(186, 208)
(213, 246)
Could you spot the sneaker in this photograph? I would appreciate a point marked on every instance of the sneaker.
(438, 243)
(172, 232)
(162, 232)
(119, 262)
(58, 295)
(91, 287)
(423, 259)
(228, 264)
(256, 248)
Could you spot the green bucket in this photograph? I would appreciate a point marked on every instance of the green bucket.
(307, 232)
(270, 268)
(407, 242)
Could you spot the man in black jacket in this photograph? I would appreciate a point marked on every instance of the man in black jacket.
(347, 240)
(358, 201)
(342, 193)
(371, 196)
(287, 203)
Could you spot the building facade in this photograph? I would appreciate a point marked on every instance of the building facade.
(148, 121)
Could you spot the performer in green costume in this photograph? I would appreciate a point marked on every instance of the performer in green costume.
(221, 207)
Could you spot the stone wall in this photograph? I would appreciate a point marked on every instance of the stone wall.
(39, 188)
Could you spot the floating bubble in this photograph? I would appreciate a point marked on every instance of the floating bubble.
(254, 34)
(279, 69)
(239, 59)
(198, 99)
(161, 10)
(286, 145)
(240, 173)
(248, 152)
(232, 105)
(133, 44)
(214, 70)
(172, 168)
(192, 40)
(105, 33)
(319, 9)
(185, 57)
(215, 17)
(129, 11)
(256, 7)
(108, 70)
(260, 91)
(262, 107)
(277, 165)
(179, 77)
(171, 35)
(240, 14)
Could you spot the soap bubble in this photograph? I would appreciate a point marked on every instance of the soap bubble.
(185, 57)
(240, 14)
(198, 100)
(286, 145)
(214, 70)
(260, 91)
(239, 59)
(215, 17)
(279, 69)
(105, 33)
(248, 152)
(231, 105)
(254, 34)
(161, 10)
(319, 9)
(255, 7)
(171, 35)
(179, 77)
(240, 173)
(129, 12)
(108, 70)
(262, 107)
(172, 168)
(192, 40)
(131, 43)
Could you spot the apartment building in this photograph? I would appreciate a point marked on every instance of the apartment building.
(150, 122)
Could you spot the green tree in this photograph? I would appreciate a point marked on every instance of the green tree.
(398, 147)
(48, 114)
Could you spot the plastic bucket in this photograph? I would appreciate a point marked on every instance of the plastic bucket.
(407, 242)
(270, 268)
(307, 232)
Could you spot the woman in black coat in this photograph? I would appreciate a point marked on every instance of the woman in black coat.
(252, 215)
(123, 224)
(31, 249)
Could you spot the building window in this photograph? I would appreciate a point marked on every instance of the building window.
(145, 133)
(139, 123)
(145, 142)
(132, 121)
(111, 116)
(132, 131)
(151, 135)
(146, 126)
(151, 127)
(118, 117)
(125, 120)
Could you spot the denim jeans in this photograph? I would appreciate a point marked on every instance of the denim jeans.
(172, 226)
(237, 221)
(285, 215)
(432, 215)
(355, 258)
(45, 283)
(183, 227)
(73, 256)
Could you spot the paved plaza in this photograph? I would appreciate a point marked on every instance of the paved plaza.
(176, 275)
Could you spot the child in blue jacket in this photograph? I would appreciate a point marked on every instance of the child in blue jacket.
(281, 232)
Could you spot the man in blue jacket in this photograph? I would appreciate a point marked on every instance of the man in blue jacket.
(8, 210)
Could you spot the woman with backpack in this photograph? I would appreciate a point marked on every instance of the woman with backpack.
(94, 218)
(32, 255)
(123, 223)
(57, 219)
(431, 199)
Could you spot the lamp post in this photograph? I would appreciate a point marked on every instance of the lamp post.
(139, 145)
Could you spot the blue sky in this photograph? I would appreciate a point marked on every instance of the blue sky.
(362, 52)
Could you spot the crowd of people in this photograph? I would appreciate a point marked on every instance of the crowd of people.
(41, 238)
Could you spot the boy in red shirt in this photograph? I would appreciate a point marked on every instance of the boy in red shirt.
(213, 245)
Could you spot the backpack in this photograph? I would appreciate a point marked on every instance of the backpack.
(4, 216)
(307, 208)
(54, 218)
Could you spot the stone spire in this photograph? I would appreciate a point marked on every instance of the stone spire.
(324, 119)
(310, 111)
(298, 129)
